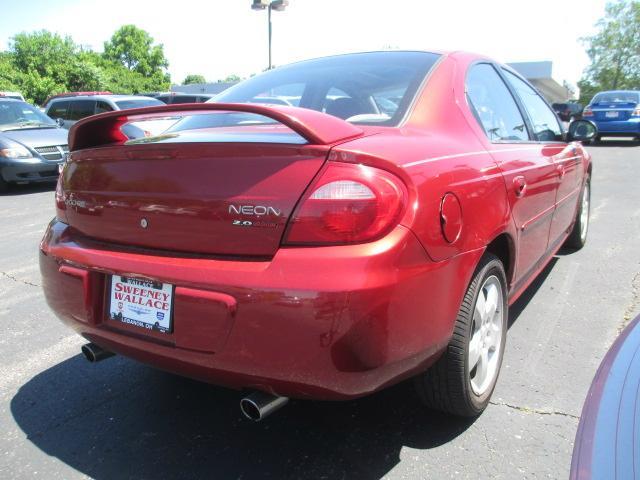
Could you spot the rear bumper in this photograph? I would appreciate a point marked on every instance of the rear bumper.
(29, 172)
(326, 323)
(631, 127)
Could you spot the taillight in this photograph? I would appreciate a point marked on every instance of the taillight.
(636, 111)
(587, 112)
(59, 196)
(347, 204)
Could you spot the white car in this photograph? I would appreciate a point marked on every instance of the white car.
(13, 95)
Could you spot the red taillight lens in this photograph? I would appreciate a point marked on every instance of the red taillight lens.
(636, 111)
(59, 195)
(587, 112)
(347, 204)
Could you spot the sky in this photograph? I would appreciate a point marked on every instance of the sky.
(216, 38)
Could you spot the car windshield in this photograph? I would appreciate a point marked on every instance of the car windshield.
(617, 97)
(366, 88)
(138, 103)
(16, 115)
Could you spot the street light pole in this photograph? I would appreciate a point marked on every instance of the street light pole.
(278, 6)
(269, 17)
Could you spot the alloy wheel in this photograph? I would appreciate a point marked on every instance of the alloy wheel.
(485, 344)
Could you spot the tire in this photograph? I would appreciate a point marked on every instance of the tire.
(452, 385)
(578, 236)
(4, 185)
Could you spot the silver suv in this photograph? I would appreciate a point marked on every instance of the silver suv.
(70, 109)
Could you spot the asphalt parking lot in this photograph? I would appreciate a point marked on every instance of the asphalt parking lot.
(61, 417)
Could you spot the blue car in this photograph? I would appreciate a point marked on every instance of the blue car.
(616, 113)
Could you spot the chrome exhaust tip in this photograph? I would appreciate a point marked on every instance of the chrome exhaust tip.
(260, 405)
(94, 353)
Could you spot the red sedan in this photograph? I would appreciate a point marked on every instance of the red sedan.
(371, 226)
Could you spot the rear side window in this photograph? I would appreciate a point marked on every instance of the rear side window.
(545, 123)
(494, 106)
(102, 107)
(58, 110)
(81, 109)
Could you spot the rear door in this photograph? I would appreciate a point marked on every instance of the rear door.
(568, 161)
(58, 110)
(529, 171)
(79, 109)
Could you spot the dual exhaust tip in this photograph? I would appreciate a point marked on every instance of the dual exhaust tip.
(256, 406)
(259, 405)
(94, 353)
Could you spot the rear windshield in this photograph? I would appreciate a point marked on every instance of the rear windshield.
(616, 97)
(366, 88)
(224, 127)
(143, 102)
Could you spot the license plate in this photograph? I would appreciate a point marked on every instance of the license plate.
(611, 114)
(143, 303)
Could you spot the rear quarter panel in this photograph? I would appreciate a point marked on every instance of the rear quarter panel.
(437, 152)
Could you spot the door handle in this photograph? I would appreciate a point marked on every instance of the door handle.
(561, 170)
(519, 185)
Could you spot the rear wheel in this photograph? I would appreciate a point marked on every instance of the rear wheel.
(578, 236)
(462, 380)
(4, 185)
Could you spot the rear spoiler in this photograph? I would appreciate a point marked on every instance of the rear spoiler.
(315, 127)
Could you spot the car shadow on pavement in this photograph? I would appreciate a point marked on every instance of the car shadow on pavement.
(121, 419)
(521, 303)
(28, 189)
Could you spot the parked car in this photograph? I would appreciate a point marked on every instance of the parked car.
(73, 94)
(606, 445)
(327, 251)
(67, 110)
(12, 95)
(568, 112)
(31, 144)
(615, 113)
(174, 97)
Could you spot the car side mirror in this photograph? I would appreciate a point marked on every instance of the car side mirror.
(60, 122)
(581, 131)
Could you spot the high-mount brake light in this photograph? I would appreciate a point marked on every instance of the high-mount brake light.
(347, 204)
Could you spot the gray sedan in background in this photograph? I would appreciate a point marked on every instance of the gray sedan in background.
(31, 144)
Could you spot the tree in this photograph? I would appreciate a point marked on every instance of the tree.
(614, 51)
(231, 79)
(133, 48)
(10, 78)
(190, 79)
(43, 52)
(42, 63)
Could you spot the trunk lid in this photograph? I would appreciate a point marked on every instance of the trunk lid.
(213, 198)
(605, 112)
(223, 181)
